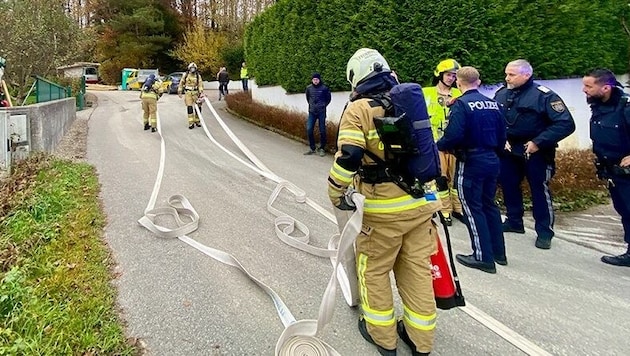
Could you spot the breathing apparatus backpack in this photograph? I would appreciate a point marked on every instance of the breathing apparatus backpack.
(411, 155)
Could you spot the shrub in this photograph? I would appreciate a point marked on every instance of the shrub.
(288, 123)
(574, 186)
(294, 38)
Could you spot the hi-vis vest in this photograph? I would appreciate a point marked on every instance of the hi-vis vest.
(244, 74)
(357, 128)
(438, 111)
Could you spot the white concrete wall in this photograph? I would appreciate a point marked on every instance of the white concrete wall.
(570, 90)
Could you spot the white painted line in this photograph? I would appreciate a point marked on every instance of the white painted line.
(503, 331)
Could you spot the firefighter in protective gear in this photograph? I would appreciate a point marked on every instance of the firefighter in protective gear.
(398, 233)
(438, 98)
(150, 92)
(191, 85)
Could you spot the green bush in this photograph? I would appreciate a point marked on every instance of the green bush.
(293, 38)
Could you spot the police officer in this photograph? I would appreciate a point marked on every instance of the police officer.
(398, 232)
(191, 85)
(438, 98)
(610, 132)
(150, 92)
(537, 119)
(476, 132)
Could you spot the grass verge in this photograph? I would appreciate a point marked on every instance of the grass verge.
(55, 291)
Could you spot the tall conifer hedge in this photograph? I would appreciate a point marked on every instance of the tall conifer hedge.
(561, 38)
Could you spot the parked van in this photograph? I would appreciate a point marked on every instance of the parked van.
(137, 77)
(91, 75)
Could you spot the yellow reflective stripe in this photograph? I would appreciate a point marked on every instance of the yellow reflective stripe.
(418, 321)
(443, 194)
(378, 317)
(372, 135)
(406, 202)
(454, 191)
(362, 266)
(352, 135)
(341, 174)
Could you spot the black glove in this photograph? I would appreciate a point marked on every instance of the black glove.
(346, 203)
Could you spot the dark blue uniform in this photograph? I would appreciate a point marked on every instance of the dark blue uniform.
(476, 132)
(610, 132)
(532, 113)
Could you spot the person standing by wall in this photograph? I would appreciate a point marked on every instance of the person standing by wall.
(318, 97)
(191, 86)
(537, 119)
(244, 76)
(475, 133)
(398, 231)
(438, 98)
(610, 132)
(149, 94)
(224, 79)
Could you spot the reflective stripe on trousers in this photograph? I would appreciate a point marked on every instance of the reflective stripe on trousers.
(404, 247)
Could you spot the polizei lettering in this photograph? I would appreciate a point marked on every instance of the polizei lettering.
(483, 105)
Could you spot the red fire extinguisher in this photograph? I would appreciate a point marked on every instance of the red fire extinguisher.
(446, 288)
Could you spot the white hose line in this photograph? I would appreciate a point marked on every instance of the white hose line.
(299, 337)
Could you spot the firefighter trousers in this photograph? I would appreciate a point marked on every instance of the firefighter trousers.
(149, 108)
(404, 246)
(449, 197)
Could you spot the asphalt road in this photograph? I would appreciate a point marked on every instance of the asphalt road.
(181, 302)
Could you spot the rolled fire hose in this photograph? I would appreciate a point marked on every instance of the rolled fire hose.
(298, 337)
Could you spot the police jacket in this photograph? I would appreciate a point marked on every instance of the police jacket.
(610, 128)
(357, 134)
(534, 113)
(318, 97)
(476, 126)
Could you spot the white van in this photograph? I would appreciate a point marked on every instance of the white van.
(90, 74)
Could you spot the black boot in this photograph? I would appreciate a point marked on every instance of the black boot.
(147, 126)
(191, 126)
(470, 261)
(400, 328)
(543, 244)
(621, 260)
(368, 338)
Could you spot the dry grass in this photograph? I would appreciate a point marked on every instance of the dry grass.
(288, 123)
(574, 186)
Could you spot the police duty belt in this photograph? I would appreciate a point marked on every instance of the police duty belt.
(300, 337)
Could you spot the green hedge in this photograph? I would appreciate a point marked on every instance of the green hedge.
(294, 38)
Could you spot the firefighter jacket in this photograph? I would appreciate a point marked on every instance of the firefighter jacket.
(610, 128)
(154, 92)
(438, 109)
(357, 133)
(534, 113)
(191, 82)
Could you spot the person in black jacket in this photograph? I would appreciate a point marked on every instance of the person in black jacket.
(224, 78)
(476, 132)
(537, 119)
(318, 97)
(610, 132)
